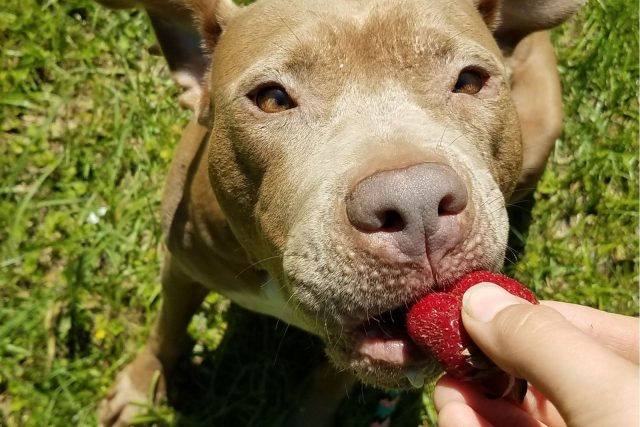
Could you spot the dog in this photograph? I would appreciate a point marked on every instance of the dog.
(346, 157)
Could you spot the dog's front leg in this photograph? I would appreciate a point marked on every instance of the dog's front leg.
(168, 339)
(181, 46)
(538, 100)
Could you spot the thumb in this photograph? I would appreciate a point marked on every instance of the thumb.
(587, 383)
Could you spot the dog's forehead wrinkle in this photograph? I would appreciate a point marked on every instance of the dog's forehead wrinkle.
(358, 32)
(374, 51)
(377, 109)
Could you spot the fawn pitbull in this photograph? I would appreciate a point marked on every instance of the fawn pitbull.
(347, 157)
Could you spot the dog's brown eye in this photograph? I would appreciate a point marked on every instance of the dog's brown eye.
(273, 99)
(469, 82)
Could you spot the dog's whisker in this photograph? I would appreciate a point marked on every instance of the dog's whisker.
(490, 201)
(289, 28)
(492, 212)
(277, 353)
(279, 46)
(516, 203)
(455, 139)
(513, 252)
(441, 137)
(457, 35)
(527, 188)
(326, 328)
(516, 206)
(254, 264)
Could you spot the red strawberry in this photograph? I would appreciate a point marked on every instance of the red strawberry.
(435, 324)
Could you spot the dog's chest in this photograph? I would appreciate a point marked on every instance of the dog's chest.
(268, 300)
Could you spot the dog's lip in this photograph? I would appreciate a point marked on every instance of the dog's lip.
(394, 351)
(384, 339)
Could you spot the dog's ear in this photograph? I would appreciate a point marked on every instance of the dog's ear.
(489, 11)
(211, 17)
(512, 20)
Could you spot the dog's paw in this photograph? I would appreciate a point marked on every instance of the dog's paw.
(192, 92)
(138, 386)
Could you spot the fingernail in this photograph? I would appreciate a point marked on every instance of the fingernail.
(484, 300)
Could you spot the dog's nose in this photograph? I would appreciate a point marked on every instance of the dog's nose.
(409, 212)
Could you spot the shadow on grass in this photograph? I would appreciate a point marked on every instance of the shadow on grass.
(519, 223)
(257, 375)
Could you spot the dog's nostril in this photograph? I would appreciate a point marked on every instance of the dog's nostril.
(449, 206)
(391, 221)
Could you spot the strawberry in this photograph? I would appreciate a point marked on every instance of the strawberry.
(435, 324)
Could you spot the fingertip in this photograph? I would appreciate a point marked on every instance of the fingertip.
(462, 403)
(483, 301)
(458, 414)
(447, 390)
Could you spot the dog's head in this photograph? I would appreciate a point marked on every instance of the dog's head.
(362, 152)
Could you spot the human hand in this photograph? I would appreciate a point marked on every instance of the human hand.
(581, 363)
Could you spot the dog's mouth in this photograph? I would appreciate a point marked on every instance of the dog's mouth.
(384, 338)
(381, 353)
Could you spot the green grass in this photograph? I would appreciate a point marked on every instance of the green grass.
(583, 243)
(89, 121)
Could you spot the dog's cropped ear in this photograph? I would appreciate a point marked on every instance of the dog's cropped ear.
(489, 11)
(512, 20)
(211, 17)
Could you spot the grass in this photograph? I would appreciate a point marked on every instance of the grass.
(88, 123)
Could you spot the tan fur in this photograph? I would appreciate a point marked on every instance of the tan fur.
(254, 202)
(536, 94)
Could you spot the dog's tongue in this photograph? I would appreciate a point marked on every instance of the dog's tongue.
(435, 324)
